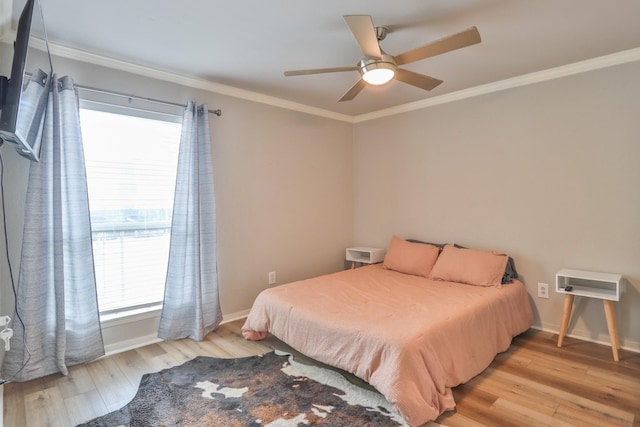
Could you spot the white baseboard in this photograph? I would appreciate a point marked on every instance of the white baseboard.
(137, 342)
(126, 345)
(630, 345)
(235, 316)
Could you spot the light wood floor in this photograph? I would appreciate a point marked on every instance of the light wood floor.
(534, 383)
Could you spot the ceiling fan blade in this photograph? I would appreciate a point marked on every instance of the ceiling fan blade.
(418, 80)
(354, 91)
(446, 44)
(319, 71)
(362, 28)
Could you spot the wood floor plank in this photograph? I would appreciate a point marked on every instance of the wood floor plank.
(623, 382)
(160, 362)
(132, 365)
(579, 414)
(14, 412)
(578, 387)
(455, 419)
(533, 383)
(233, 347)
(569, 398)
(112, 384)
(609, 402)
(219, 348)
(46, 408)
(151, 351)
(85, 407)
(477, 405)
(177, 351)
(507, 410)
(78, 382)
(37, 385)
(204, 349)
(517, 393)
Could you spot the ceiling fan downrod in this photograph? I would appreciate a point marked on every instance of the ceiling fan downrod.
(381, 33)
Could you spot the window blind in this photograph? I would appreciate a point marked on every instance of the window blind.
(131, 166)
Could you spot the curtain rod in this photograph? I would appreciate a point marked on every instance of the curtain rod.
(217, 112)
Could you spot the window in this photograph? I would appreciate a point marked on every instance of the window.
(131, 166)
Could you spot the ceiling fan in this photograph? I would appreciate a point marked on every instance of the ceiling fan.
(378, 67)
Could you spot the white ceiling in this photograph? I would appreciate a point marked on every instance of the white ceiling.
(248, 44)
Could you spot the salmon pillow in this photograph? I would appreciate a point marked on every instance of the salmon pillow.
(480, 268)
(410, 258)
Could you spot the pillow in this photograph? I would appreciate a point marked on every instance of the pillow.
(410, 258)
(510, 273)
(479, 268)
(439, 245)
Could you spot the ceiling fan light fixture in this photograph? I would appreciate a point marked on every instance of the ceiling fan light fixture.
(378, 76)
(377, 72)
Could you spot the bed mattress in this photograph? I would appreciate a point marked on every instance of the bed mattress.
(411, 338)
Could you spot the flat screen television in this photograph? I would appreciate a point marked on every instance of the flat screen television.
(17, 125)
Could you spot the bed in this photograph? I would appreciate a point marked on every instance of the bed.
(413, 334)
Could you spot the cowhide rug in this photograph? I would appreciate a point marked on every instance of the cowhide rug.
(270, 390)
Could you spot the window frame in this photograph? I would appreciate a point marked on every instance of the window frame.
(115, 104)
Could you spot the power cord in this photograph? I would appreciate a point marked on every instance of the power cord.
(7, 332)
(13, 283)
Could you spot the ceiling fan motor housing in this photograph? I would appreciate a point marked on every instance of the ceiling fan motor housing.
(378, 71)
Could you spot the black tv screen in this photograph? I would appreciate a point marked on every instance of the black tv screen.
(17, 125)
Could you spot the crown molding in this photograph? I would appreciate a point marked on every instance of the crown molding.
(605, 61)
(613, 59)
(104, 61)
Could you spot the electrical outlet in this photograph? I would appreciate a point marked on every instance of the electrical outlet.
(272, 277)
(543, 290)
(5, 335)
(4, 320)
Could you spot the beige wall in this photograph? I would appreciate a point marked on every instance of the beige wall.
(284, 196)
(283, 182)
(548, 173)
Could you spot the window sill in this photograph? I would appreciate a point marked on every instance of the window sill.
(128, 316)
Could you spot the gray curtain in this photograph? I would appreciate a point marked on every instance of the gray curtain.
(191, 306)
(56, 294)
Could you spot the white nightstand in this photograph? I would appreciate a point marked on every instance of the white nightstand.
(364, 255)
(590, 284)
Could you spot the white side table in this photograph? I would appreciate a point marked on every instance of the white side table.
(364, 255)
(590, 284)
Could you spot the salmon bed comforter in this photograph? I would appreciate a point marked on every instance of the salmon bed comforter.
(411, 338)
